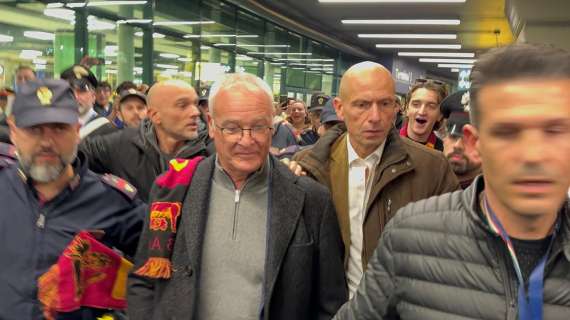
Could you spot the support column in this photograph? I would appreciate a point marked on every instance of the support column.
(126, 52)
(81, 34)
(148, 45)
(63, 51)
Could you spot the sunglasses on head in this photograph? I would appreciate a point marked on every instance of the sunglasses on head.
(426, 81)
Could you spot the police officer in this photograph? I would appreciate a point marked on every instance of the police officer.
(49, 195)
(465, 165)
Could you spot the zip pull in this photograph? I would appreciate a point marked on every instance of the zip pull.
(41, 222)
(389, 205)
(236, 199)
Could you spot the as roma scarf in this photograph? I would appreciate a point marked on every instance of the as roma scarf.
(168, 194)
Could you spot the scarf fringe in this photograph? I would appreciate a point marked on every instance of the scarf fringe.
(156, 267)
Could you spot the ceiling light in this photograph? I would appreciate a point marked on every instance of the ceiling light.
(166, 66)
(419, 46)
(205, 48)
(264, 45)
(134, 21)
(184, 59)
(194, 36)
(55, 5)
(155, 35)
(460, 66)
(438, 54)
(454, 70)
(224, 44)
(298, 68)
(60, 13)
(75, 4)
(243, 58)
(5, 38)
(169, 55)
(407, 36)
(93, 24)
(39, 35)
(114, 3)
(39, 61)
(30, 54)
(453, 22)
(282, 53)
(40, 67)
(277, 63)
(304, 59)
(111, 71)
(392, 1)
(432, 60)
(186, 74)
(179, 23)
(107, 62)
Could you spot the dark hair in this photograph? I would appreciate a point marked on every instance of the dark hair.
(125, 85)
(517, 61)
(104, 84)
(432, 85)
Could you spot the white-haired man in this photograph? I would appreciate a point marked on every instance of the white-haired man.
(253, 241)
(140, 154)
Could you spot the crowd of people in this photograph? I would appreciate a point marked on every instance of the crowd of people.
(171, 202)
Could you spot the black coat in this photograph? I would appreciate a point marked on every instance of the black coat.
(131, 155)
(305, 277)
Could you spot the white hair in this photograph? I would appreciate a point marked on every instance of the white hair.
(244, 80)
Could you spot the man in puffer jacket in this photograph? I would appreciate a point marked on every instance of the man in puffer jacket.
(501, 248)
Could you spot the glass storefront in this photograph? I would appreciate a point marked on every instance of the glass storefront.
(146, 41)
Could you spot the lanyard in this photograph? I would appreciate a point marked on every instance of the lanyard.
(530, 306)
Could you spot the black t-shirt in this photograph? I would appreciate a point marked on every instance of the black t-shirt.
(529, 253)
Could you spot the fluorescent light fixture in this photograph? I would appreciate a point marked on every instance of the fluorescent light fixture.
(5, 38)
(107, 62)
(224, 44)
(455, 65)
(142, 21)
(195, 36)
(60, 13)
(205, 48)
(277, 63)
(184, 59)
(392, 1)
(418, 46)
(169, 55)
(180, 23)
(282, 53)
(298, 68)
(186, 74)
(407, 36)
(114, 3)
(155, 35)
(438, 54)
(166, 66)
(30, 54)
(305, 59)
(40, 35)
(75, 4)
(40, 66)
(447, 22)
(93, 24)
(111, 71)
(55, 5)
(434, 60)
(454, 70)
(39, 61)
(243, 58)
(138, 70)
(264, 45)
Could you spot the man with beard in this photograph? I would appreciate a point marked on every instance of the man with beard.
(139, 155)
(49, 195)
(83, 82)
(466, 165)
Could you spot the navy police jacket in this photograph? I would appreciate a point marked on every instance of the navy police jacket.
(33, 235)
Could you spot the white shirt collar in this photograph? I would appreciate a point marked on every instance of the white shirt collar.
(373, 158)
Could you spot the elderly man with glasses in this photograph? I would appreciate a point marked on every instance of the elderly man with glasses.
(237, 235)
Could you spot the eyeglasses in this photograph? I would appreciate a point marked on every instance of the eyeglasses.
(235, 133)
(426, 81)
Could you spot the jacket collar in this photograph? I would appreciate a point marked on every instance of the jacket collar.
(470, 200)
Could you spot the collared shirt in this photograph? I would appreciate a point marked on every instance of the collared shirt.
(88, 116)
(360, 173)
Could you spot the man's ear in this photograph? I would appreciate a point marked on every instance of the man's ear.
(471, 139)
(211, 126)
(12, 126)
(338, 107)
(154, 116)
